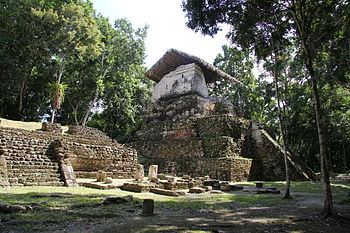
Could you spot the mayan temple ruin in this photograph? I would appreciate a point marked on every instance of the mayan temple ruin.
(189, 132)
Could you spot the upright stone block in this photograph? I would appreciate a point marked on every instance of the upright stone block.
(152, 172)
(140, 173)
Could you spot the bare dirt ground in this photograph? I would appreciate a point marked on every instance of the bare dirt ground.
(298, 215)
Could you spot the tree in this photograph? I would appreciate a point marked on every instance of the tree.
(20, 59)
(126, 91)
(249, 97)
(73, 33)
(300, 20)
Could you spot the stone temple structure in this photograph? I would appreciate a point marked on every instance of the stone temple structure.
(49, 157)
(189, 132)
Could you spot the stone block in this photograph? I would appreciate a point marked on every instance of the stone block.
(164, 192)
(4, 179)
(134, 187)
(207, 188)
(101, 176)
(196, 190)
(51, 127)
(140, 173)
(216, 192)
(152, 172)
(186, 79)
(109, 180)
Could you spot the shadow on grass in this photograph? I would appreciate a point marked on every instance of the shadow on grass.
(51, 209)
(77, 212)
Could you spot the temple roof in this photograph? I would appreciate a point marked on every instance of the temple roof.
(174, 58)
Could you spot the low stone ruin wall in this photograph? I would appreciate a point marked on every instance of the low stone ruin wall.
(29, 161)
(28, 157)
(118, 162)
(233, 168)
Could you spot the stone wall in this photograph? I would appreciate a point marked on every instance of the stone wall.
(198, 146)
(118, 161)
(31, 158)
(30, 161)
(223, 146)
(231, 168)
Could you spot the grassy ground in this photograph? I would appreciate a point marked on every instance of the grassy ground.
(60, 209)
(24, 125)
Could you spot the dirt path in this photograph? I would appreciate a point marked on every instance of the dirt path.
(297, 216)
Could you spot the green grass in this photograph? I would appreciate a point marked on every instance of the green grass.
(58, 206)
(304, 186)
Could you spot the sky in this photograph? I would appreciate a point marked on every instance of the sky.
(167, 27)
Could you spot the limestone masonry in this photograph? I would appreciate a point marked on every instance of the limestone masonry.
(52, 158)
(190, 133)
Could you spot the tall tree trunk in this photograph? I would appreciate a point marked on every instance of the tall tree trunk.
(286, 194)
(53, 115)
(275, 72)
(328, 199)
(89, 108)
(20, 98)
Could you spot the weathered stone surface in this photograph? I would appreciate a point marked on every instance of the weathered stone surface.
(216, 192)
(164, 192)
(148, 207)
(152, 172)
(102, 186)
(3, 172)
(207, 188)
(179, 108)
(69, 175)
(135, 187)
(45, 158)
(196, 190)
(140, 173)
(186, 79)
(51, 127)
(109, 180)
(101, 176)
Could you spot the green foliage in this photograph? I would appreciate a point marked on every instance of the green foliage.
(253, 98)
(96, 65)
(307, 38)
(57, 93)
